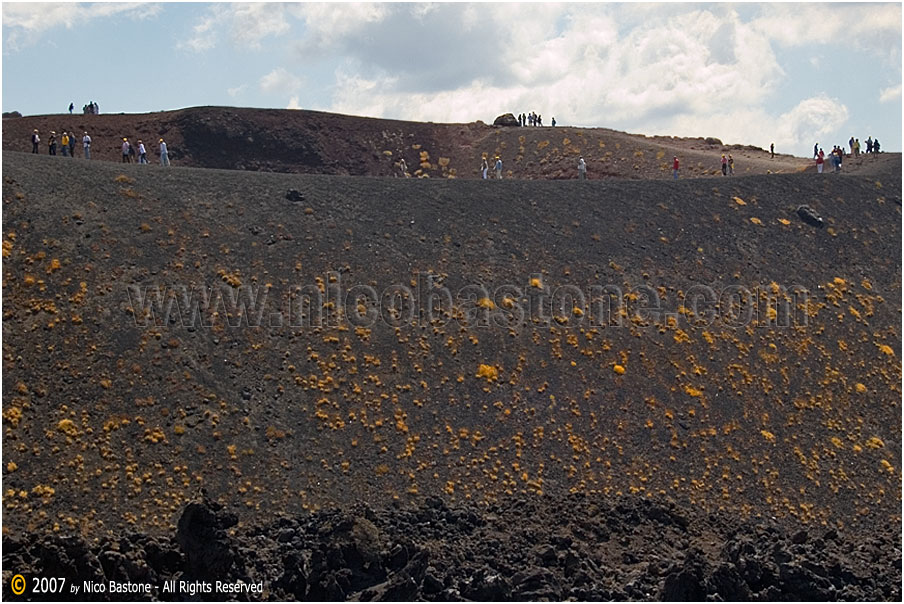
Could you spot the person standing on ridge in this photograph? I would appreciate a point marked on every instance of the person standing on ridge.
(71, 107)
(498, 168)
(869, 144)
(876, 146)
(126, 148)
(72, 144)
(164, 156)
(724, 165)
(675, 168)
(820, 161)
(484, 167)
(64, 142)
(51, 143)
(554, 121)
(36, 139)
(142, 153)
(772, 149)
(86, 143)
(582, 169)
(730, 165)
(816, 150)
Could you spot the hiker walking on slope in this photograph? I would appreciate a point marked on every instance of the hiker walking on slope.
(730, 165)
(164, 156)
(498, 168)
(51, 143)
(816, 150)
(86, 143)
(484, 167)
(724, 165)
(820, 161)
(126, 151)
(772, 150)
(675, 168)
(72, 144)
(64, 141)
(142, 153)
(36, 139)
(582, 169)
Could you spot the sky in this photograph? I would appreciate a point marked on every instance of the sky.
(757, 73)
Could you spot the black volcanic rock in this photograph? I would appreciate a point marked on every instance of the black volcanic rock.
(506, 119)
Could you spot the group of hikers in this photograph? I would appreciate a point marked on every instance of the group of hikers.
(532, 119)
(836, 157)
(67, 144)
(89, 109)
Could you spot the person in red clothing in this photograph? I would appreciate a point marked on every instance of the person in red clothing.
(675, 167)
(820, 161)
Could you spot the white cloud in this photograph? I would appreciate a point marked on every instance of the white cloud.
(855, 26)
(892, 93)
(251, 23)
(204, 36)
(327, 23)
(280, 80)
(24, 21)
(293, 103)
(247, 25)
(234, 92)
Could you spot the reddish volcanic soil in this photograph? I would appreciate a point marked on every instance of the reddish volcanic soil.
(361, 387)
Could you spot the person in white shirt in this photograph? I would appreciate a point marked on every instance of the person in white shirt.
(164, 158)
(86, 143)
(142, 153)
(582, 169)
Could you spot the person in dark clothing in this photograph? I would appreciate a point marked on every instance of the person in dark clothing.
(51, 144)
(35, 139)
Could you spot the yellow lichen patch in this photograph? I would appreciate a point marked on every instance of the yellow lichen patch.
(68, 427)
(784, 221)
(489, 372)
(13, 415)
(887, 466)
(12, 466)
(53, 266)
(691, 391)
(859, 387)
(508, 302)
(768, 435)
(230, 278)
(619, 369)
(486, 303)
(886, 349)
(535, 282)
(154, 435)
(739, 201)
(756, 220)
(106, 384)
(874, 442)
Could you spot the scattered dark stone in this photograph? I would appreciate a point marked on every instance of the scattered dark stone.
(810, 216)
(294, 195)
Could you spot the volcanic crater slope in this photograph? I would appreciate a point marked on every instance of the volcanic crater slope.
(765, 391)
(314, 142)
